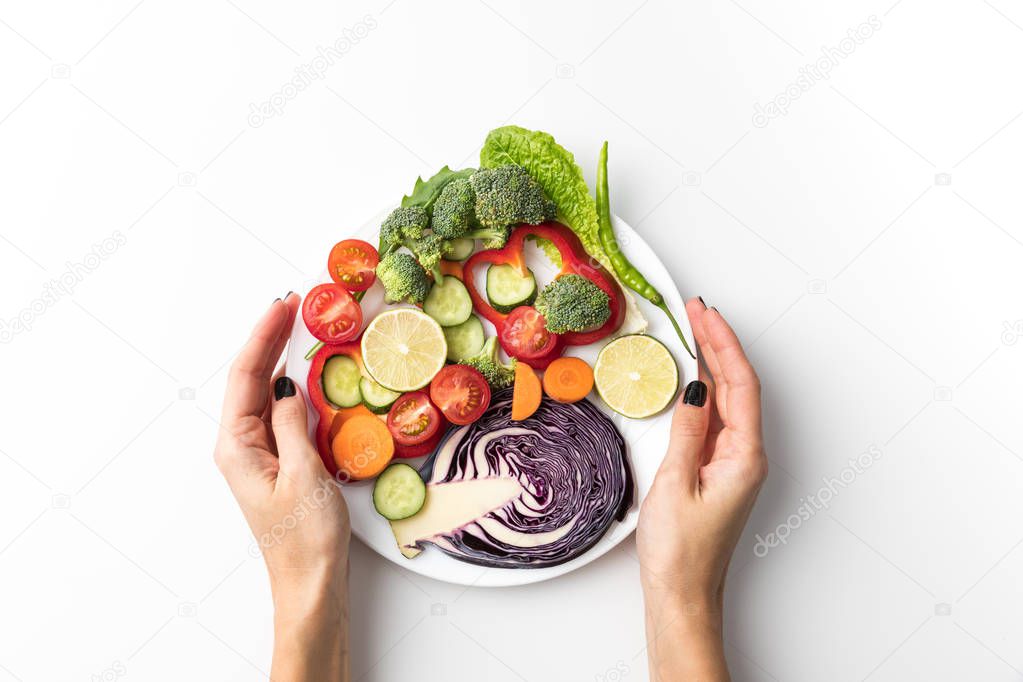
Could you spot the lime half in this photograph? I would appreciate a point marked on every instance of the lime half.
(403, 349)
(636, 376)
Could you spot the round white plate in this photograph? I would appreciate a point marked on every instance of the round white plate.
(647, 439)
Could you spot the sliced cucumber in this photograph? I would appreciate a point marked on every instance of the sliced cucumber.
(340, 378)
(399, 492)
(460, 249)
(448, 302)
(507, 289)
(465, 340)
(377, 398)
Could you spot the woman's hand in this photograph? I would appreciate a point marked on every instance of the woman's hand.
(698, 505)
(291, 503)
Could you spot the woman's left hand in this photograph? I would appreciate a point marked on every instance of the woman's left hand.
(291, 503)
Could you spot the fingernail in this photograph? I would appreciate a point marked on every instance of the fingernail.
(715, 310)
(274, 301)
(702, 301)
(695, 395)
(288, 295)
(285, 388)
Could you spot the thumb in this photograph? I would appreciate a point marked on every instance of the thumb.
(688, 434)
(288, 420)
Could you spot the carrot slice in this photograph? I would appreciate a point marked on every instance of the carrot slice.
(568, 380)
(343, 415)
(362, 447)
(452, 268)
(527, 392)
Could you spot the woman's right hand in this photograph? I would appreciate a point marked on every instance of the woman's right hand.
(696, 509)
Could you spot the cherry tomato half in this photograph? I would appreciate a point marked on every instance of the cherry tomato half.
(525, 336)
(352, 264)
(461, 393)
(331, 314)
(413, 419)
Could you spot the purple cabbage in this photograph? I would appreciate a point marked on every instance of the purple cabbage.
(571, 463)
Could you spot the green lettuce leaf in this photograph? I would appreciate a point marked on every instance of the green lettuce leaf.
(555, 169)
(425, 192)
(548, 248)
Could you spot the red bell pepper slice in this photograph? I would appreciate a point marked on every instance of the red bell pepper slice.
(574, 260)
(326, 411)
(424, 448)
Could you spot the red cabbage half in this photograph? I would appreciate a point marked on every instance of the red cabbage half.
(522, 494)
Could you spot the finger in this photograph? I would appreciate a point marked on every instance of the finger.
(278, 373)
(695, 309)
(735, 375)
(271, 441)
(288, 417)
(712, 396)
(688, 435)
(714, 424)
(292, 301)
(276, 367)
(247, 393)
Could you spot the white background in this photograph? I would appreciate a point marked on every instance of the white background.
(881, 306)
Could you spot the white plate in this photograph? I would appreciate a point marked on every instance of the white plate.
(647, 439)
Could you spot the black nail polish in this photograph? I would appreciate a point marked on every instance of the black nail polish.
(696, 394)
(284, 388)
(702, 301)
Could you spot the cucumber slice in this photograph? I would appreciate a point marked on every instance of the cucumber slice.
(507, 289)
(340, 379)
(448, 302)
(460, 249)
(399, 492)
(377, 398)
(465, 340)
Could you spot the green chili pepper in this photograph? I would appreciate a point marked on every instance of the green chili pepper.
(626, 271)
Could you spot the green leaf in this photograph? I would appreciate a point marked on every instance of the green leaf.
(548, 247)
(426, 192)
(555, 169)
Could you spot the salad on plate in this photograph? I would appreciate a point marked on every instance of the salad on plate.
(448, 372)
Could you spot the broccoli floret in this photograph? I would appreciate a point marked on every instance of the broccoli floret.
(454, 217)
(488, 204)
(453, 211)
(403, 278)
(497, 374)
(572, 303)
(507, 195)
(406, 226)
(492, 237)
(405, 223)
(429, 250)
